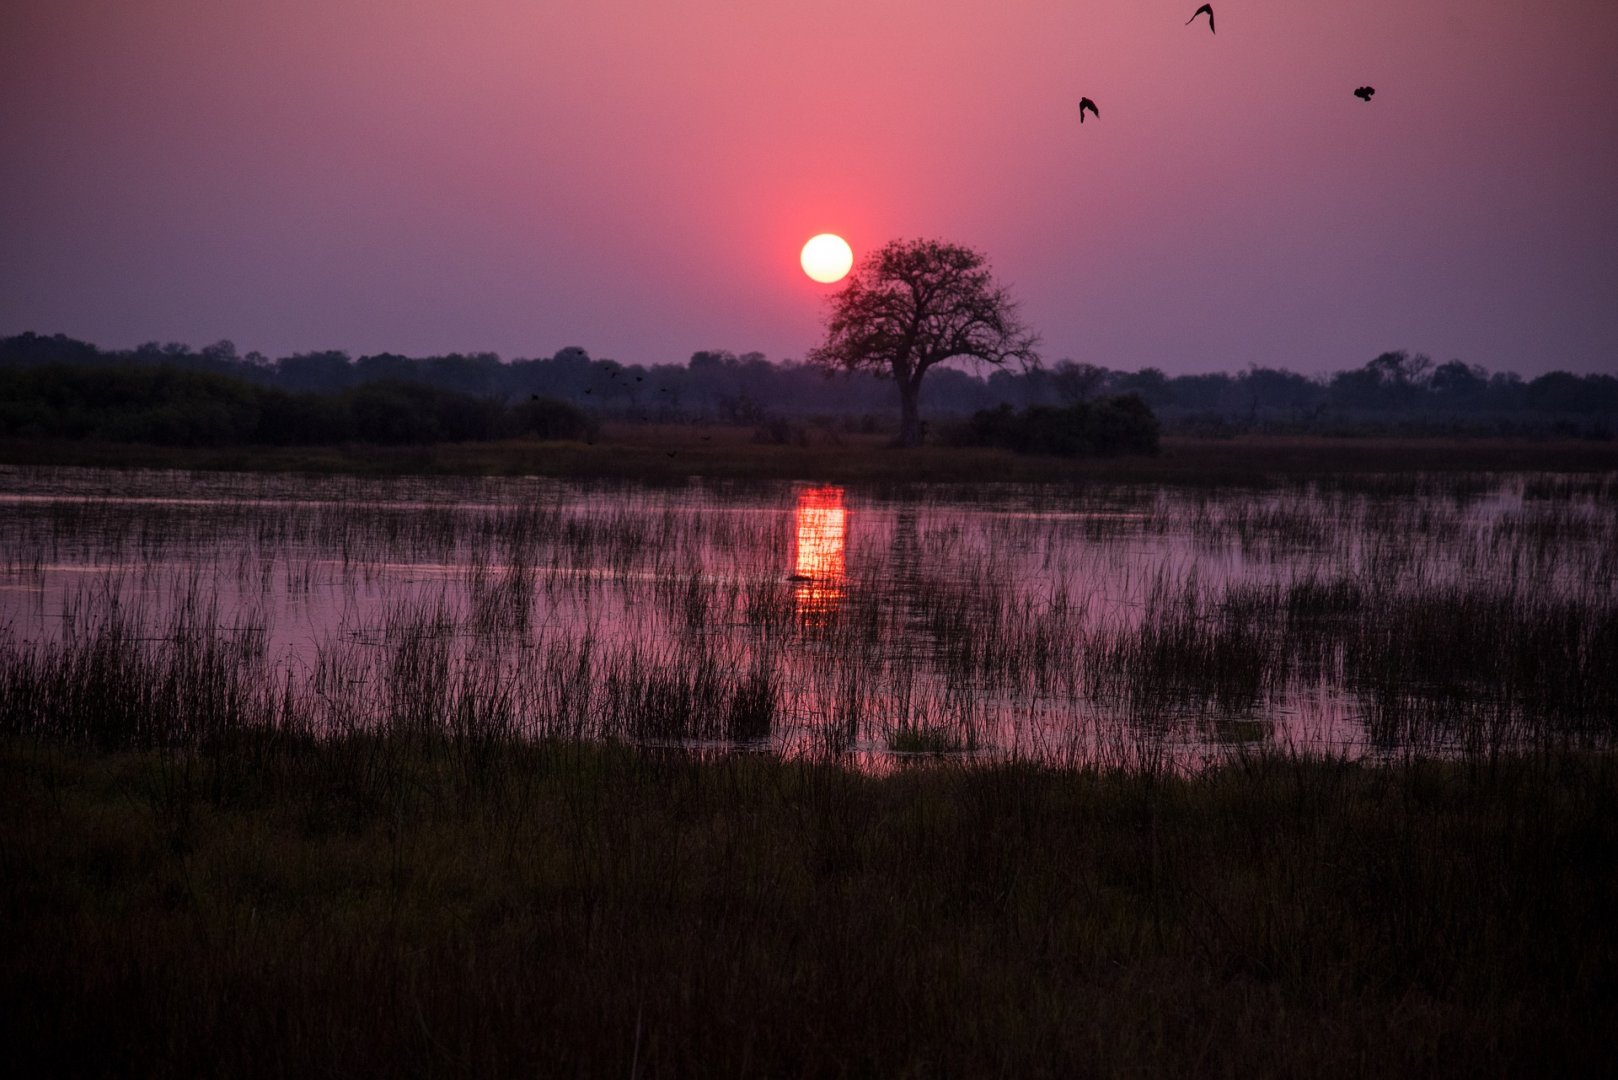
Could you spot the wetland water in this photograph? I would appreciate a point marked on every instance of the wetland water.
(1104, 624)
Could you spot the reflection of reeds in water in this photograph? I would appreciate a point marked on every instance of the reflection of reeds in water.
(1068, 627)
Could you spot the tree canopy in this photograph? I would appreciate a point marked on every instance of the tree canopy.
(916, 303)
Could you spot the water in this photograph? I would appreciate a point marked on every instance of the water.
(1098, 625)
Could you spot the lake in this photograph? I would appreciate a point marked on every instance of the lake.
(1103, 624)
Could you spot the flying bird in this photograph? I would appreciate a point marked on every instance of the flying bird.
(1205, 8)
(1364, 93)
(1086, 103)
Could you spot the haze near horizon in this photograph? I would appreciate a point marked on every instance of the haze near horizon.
(639, 178)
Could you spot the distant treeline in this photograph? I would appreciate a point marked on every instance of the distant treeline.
(324, 396)
(169, 406)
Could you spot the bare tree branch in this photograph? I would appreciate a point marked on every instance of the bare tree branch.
(916, 303)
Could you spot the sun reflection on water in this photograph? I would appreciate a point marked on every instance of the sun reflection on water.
(818, 570)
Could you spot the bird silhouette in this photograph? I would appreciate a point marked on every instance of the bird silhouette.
(1204, 8)
(1364, 93)
(1086, 103)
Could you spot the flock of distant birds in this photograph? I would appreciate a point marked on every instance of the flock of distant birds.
(1363, 93)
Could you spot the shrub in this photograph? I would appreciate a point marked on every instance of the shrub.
(1115, 425)
(548, 418)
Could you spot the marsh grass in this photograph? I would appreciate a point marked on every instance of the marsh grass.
(272, 904)
(929, 739)
(1016, 619)
(577, 781)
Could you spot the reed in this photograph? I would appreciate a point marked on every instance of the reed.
(444, 776)
(1020, 620)
(381, 901)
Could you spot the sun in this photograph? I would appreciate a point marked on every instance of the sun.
(827, 258)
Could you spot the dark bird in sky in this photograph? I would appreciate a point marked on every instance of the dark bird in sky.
(1086, 103)
(1364, 93)
(1205, 8)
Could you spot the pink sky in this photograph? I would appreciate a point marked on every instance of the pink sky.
(637, 177)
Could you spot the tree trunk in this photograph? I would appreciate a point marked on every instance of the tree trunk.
(909, 413)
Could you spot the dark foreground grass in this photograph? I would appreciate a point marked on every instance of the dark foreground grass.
(672, 453)
(388, 906)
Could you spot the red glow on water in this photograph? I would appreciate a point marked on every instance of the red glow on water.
(822, 534)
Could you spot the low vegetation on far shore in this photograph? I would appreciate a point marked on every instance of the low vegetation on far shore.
(674, 453)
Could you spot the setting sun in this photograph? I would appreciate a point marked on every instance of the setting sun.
(827, 258)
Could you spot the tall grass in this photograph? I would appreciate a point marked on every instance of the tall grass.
(488, 776)
(991, 620)
(379, 903)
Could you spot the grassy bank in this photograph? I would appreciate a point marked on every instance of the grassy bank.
(672, 454)
(272, 906)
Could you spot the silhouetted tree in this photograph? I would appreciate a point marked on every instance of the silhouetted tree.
(1149, 382)
(221, 356)
(1264, 389)
(316, 372)
(1077, 382)
(916, 303)
(31, 349)
(1394, 380)
(1457, 386)
(386, 366)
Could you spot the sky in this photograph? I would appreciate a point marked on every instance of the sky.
(636, 177)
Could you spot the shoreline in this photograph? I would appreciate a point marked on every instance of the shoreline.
(663, 455)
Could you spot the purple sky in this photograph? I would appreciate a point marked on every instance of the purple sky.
(636, 177)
